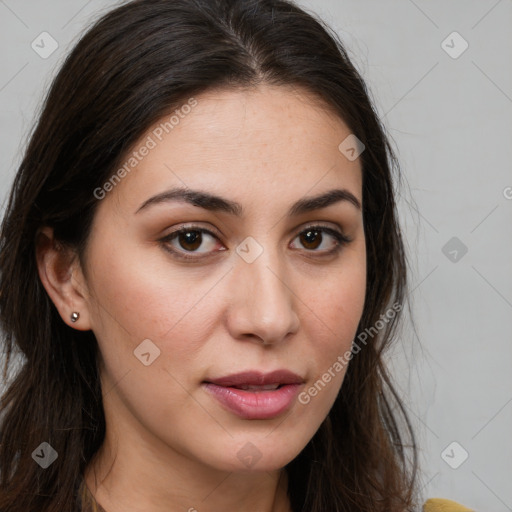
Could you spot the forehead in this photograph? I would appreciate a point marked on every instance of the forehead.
(271, 140)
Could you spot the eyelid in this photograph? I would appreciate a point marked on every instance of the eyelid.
(327, 228)
(190, 226)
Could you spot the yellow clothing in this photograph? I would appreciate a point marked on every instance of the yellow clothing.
(440, 505)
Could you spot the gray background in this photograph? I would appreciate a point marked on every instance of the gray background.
(451, 121)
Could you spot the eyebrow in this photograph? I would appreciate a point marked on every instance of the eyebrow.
(216, 203)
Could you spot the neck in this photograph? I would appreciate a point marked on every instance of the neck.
(123, 487)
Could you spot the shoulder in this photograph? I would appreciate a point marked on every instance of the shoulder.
(441, 505)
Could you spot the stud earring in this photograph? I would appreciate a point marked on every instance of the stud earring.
(75, 316)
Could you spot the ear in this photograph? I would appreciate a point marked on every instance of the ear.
(61, 274)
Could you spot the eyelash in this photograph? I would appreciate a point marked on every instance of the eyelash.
(340, 238)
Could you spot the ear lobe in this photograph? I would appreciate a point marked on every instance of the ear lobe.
(61, 275)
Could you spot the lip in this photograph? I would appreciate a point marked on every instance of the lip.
(257, 378)
(255, 404)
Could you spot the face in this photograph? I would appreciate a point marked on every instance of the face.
(215, 277)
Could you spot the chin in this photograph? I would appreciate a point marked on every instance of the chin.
(258, 454)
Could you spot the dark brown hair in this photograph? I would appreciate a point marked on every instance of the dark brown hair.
(135, 65)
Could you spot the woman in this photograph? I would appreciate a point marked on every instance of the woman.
(202, 266)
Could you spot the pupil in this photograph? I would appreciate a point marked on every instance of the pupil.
(190, 240)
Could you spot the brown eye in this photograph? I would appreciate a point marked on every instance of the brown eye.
(311, 239)
(320, 240)
(190, 240)
(192, 243)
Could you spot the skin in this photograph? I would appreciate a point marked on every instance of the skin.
(294, 307)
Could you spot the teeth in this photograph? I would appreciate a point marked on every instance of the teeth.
(267, 387)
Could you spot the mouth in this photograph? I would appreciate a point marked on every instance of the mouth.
(268, 387)
(255, 395)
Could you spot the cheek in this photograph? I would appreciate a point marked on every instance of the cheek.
(339, 303)
(143, 297)
(335, 312)
(331, 340)
(341, 310)
(136, 303)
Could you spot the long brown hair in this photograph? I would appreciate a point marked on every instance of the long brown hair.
(136, 64)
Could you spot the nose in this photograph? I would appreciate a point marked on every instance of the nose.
(262, 303)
